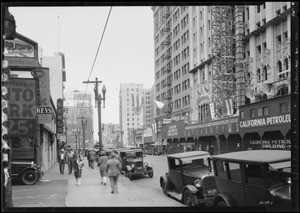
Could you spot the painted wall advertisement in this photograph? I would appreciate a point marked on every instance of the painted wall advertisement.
(20, 111)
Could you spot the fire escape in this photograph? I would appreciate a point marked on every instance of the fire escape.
(168, 60)
(223, 50)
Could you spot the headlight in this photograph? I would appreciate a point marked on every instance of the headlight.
(289, 180)
(145, 164)
(132, 165)
(198, 183)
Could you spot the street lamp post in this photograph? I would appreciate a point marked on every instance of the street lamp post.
(83, 123)
(99, 99)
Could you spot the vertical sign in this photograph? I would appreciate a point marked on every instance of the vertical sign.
(44, 85)
(59, 121)
(21, 108)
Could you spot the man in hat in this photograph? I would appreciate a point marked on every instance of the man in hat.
(113, 170)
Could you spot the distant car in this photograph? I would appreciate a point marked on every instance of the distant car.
(189, 178)
(258, 178)
(26, 171)
(133, 163)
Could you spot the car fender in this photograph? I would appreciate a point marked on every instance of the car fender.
(191, 188)
(223, 197)
(163, 179)
(26, 169)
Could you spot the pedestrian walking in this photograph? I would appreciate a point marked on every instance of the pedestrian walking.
(70, 154)
(62, 160)
(88, 158)
(102, 166)
(78, 164)
(113, 170)
(92, 158)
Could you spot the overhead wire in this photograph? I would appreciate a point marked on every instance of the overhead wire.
(95, 57)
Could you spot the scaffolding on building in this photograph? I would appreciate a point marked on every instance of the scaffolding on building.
(223, 63)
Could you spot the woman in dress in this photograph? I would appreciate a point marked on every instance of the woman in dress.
(78, 164)
(102, 166)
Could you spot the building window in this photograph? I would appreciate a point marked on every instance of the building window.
(258, 8)
(266, 111)
(258, 48)
(286, 64)
(242, 115)
(252, 113)
(278, 40)
(284, 108)
(259, 112)
(265, 73)
(259, 75)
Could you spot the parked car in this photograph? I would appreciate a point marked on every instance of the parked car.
(258, 178)
(189, 179)
(26, 171)
(133, 163)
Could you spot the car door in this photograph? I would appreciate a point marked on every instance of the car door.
(176, 176)
(256, 193)
(229, 181)
(235, 184)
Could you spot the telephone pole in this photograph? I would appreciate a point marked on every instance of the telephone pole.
(98, 100)
(83, 122)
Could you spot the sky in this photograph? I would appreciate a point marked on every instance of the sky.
(126, 54)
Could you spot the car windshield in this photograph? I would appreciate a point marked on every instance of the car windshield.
(190, 163)
(279, 173)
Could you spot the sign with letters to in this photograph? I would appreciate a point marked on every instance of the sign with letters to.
(21, 114)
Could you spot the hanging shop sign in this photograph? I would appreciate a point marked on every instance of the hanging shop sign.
(173, 130)
(59, 118)
(20, 112)
(21, 52)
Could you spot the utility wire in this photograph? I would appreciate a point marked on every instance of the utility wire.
(96, 57)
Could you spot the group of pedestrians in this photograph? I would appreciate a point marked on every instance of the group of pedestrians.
(74, 159)
(109, 165)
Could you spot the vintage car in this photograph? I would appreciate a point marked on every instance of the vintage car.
(26, 171)
(189, 178)
(256, 178)
(133, 163)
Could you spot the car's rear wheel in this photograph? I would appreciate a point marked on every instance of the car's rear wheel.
(189, 198)
(29, 177)
(150, 174)
(164, 188)
(222, 204)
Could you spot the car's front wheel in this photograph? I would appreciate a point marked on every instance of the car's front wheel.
(150, 174)
(222, 204)
(130, 176)
(189, 198)
(29, 177)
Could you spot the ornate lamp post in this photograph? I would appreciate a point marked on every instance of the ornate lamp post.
(100, 99)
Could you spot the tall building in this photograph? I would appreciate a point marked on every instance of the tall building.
(78, 113)
(238, 66)
(57, 73)
(131, 111)
(172, 62)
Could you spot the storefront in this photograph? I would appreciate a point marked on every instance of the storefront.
(215, 135)
(266, 124)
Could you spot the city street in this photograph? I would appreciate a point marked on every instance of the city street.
(56, 190)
